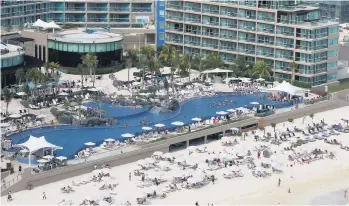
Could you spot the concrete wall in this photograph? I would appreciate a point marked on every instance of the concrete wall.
(343, 52)
(340, 95)
(40, 39)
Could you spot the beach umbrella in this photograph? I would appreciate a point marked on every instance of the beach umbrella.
(147, 128)
(90, 144)
(43, 160)
(255, 103)
(177, 123)
(48, 157)
(158, 153)
(127, 135)
(4, 124)
(109, 140)
(159, 125)
(179, 83)
(63, 94)
(231, 110)
(191, 148)
(15, 116)
(21, 94)
(61, 158)
(221, 112)
(196, 119)
(149, 160)
(93, 90)
(24, 151)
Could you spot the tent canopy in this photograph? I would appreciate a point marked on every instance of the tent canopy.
(45, 25)
(216, 70)
(288, 88)
(34, 144)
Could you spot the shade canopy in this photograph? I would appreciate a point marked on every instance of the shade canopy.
(44, 25)
(217, 70)
(159, 125)
(127, 135)
(34, 144)
(288, 88)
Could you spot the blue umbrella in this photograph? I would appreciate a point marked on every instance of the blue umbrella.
(30, 84)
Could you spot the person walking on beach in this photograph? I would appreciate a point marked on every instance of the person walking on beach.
(9, 197)
(303, 119)
(345, 193)
(129, 176)
(259, 154)
(44, 196)
(279, 182)
(196, 204)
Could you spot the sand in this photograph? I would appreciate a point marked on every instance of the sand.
(320, 182)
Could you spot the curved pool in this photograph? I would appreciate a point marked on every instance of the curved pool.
(72, 139)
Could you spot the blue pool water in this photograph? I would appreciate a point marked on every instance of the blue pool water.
(72, 139)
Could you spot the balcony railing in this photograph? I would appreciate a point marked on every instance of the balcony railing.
(213, 23)
(265, 42)
(228, 36)
(56, 9)
(229, 25)
(195, 9)
(174, 6)
(120, 9)
(265, 30)
(247, 39)
(209, 45)
(247, 16)
(198, 32)
(247, 28)
(97, 9)
(174, 29)
(75, 9)
(192, 43)
(265, 54)
(174, 40)
(212, 34)
(311, 48)
(178, 18)
(312, 36)
(225, 13)
(285, 45)
(141, 9)
(210, 11)
(287, 57)
(266, 18)
(192, 20)
(89, 19)
(247, 51)
(75, 20)
(286, 33)
(227, 48)
(121, 20)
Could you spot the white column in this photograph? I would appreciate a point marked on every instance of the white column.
(30, 165)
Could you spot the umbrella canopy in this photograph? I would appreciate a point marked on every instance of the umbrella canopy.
(15, 116)
(158, 153)
(221, 112)
(63, 94)
(255, 103)
(177, 123)
(61, 158)
(93, 90)
(231, 110)
(127, 135)
(288, 88)
(48, 157)
(159, 125)
(24, 151)
(216, 70)
(43, 160)
(109, 140)
(90, 144)
(33, 144)
(41, 116)
(21, 94)
(147, 128)
(196, 119)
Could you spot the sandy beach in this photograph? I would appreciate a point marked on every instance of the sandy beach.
(320, 182)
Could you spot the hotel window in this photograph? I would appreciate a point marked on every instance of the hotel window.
(162, 36)
(162, 24)
(40, 52)
(162, 2)
(44, 53)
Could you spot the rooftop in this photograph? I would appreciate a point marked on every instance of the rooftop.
(11, 51)
(80, 36)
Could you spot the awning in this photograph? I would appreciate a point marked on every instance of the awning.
(34, 144)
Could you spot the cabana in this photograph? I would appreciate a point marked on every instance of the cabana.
(216, 71)
(287, 88)
(34, 144)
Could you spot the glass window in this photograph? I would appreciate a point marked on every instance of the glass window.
(162, 24)
(81, 48)
(333, 41)
(44, 53)
(332, 53)
(109, 47)
(331, 76)
(162, 13)
(87, 48)
(93, 48)
(73, 47)
(65, 47)
(40, 52)
(331, 65)
(162, 36)
(162, 2)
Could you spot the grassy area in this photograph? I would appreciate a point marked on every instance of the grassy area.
(344, 84)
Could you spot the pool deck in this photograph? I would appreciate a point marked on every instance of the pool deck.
(145, 151)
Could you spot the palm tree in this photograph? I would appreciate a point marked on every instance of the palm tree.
(82, 70)
(184, 63)
(294, 68)
(26, 89)
(154, 65)
(260, 69)
(273, 125)
(52, 66)
(169, 54)
(212, 61)
(36, 76)
(239, 67)
(132, 55)
(8, 95)
(79, 101)
(20, 75)
(90, 61)
(147, 55)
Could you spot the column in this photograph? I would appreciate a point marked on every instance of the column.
(187, 143)
(205, 139)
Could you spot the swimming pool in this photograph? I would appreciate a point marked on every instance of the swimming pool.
(72, 139)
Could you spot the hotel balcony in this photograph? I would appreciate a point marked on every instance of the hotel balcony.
(97, 9)
(193, 31)
(243, 39)
(210, 34)
(229, 25)
(119, 20)
(212, 23)
(119, 7)
(209, 45)
(174, 18)
(174, 5)
(192, 20)
(228, 36)
(174, 40)
(192, 43)
(193, 9)
(265, 54)
(247, 28)
(97, 19)
(75, 20)
(76, 9)
(172, 29)
(227, 48)
(266, 18)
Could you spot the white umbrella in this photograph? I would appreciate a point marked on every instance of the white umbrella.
(43, 160)
(222, 113)
(61, 158)
(24, 151)
(4, 124)
(41, 116)
(109, 140)
(63, 94)
(196, 119)
(147, 128)
(255, 103)
(90, 144)
(15, 116)
(21, 94)
(159, 125)
(158, 153)
(231, 110)
(191, 148)
(127, 135)
(179, 83)
(48, 157)
(177, 123)
(234, 129)
(93, 90)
